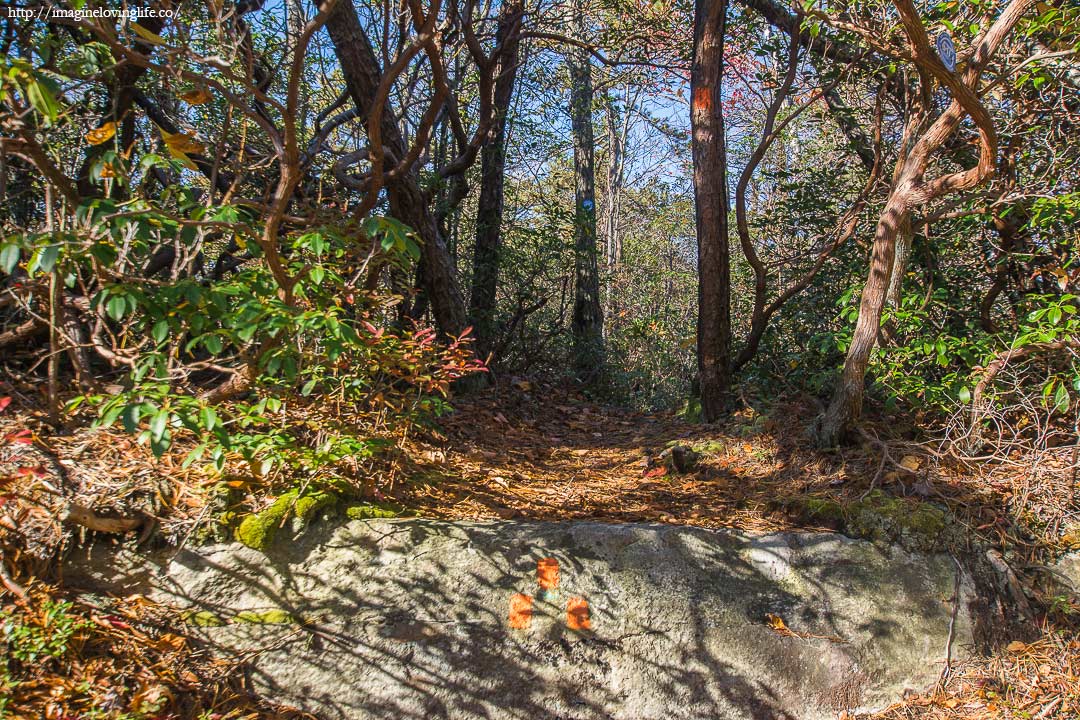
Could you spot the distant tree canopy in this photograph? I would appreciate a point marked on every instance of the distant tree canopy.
(216, 212)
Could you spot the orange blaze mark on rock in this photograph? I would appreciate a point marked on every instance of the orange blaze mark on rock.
(520, 611)
(547, 573)
(577, 614)
(702, 98)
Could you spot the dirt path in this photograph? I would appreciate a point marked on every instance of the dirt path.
(543, 452)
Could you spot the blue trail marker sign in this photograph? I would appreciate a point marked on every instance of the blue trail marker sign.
(946, 51)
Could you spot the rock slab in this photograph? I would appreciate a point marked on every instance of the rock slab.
(431, 619)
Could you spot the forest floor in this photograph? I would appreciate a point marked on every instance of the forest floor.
(540, 451)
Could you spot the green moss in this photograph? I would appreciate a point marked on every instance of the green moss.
(878, 516)
(820, 510)
(308, 505)
(202, 618)
(258, 529)
(691, 410)
(710, 447)
(362, 511)
(276, 616)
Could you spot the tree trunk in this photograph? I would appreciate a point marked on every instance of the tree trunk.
(492, 175)
(588, 319)
(904, 237)
(711, 207)
(911, 189)
(846, 405)
(362, 75)
(618, 128)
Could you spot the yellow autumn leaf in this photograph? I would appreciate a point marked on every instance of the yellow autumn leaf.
(184, 159)
(107, 171)
(102, 134)
(184, 143)
(198, 96)
(150, 37)
(179, 145)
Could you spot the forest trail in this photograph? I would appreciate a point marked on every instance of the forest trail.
(543, 452)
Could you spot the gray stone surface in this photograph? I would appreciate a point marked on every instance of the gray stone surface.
(1067, 573)
(409, 619)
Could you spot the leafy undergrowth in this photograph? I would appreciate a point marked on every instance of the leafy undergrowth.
(118, 659)
(524, 450)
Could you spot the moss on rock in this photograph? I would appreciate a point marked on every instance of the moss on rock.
(825, 512)
(276, 616)
(710, 447)
(202, 618)
(879, 516)
(363, 511)
(258, 529)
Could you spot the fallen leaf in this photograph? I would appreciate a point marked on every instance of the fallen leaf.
(20, 437)
(1016, 646)
(910, 462)
(777, 624)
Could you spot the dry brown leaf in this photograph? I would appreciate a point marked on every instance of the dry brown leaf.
(910, 462)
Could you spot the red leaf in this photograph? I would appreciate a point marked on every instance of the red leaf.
(4, 402)
(655, 472)
(23, 437)
(36, 471)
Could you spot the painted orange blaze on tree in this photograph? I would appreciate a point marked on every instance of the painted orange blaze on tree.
(702, 99)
